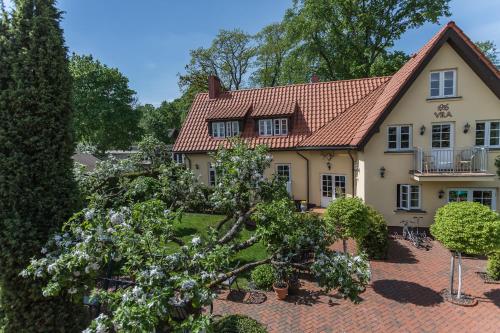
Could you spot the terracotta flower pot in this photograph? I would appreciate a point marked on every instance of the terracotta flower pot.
(281, 293)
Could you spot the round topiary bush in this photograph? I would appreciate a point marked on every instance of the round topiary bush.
(376, 241)
(264, 276)
(238, 324)
(493, 266)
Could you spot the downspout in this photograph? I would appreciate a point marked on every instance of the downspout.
(307, 172)
(189, 161)
(353, 170)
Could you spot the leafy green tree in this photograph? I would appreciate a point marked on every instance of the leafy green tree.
(376, 241)
(159, 121)
(229, 57)
(347, 218)
(489, 48)
(37, 190)
(104, 105)
(466, 227)
(273, 47)
(345, 39)
(493, 266)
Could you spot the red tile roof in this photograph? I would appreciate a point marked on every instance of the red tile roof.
(325, 114)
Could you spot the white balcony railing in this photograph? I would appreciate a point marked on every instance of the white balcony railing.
(451, 160)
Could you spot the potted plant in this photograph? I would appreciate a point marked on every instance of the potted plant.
(280, 285)
(303, 206)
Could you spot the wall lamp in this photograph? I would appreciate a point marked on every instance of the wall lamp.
(329, 165)
(441, 194)
(196, 166)
(466, 128)
(422, 130)
(382, 172)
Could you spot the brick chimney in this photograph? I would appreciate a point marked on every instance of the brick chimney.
(314, 78)
(214, 87)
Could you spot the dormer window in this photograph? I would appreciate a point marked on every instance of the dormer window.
(270, 127)
(443, 84)
(225, 129)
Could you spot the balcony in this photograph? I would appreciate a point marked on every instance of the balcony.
(460, 164)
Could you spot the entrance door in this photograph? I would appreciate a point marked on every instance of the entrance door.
(442, 146)
(326, 189)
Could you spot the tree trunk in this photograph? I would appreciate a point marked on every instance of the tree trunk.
(344, 244)
(459, 291)
(452, 272)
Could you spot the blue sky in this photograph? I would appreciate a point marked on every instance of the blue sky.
(149, 40)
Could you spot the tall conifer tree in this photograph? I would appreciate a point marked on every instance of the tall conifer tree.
(37, 192)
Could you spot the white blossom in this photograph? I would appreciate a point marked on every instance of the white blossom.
(196, 241)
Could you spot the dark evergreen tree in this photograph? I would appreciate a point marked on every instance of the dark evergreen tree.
(37, 192)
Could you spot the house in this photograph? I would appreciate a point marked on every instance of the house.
(405, 144)
(89, 161)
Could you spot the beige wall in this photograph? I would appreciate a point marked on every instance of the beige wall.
(477, 102)
(341, 164)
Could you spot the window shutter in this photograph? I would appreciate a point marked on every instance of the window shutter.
(256, 126)
(398, 196)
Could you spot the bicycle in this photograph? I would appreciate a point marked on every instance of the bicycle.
(411, 233)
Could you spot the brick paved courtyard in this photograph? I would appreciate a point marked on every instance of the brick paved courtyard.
(403, 297)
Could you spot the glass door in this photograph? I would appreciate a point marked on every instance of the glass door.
(442, 146)
(326, 189)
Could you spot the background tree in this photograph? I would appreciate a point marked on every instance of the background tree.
(489, 48)
(37, 191)
(159, 121)
(104, 105)
(347, 218)
(345, 39)
(466, 227)
(229, 57)
(273, 47)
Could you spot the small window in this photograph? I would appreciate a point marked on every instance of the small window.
(488, 133)
(178, 158)
(211, 174)
(483, 196)
(339, 186)
(399, 137)
(218, 130)
(265, 127)
(269, 127)
(443, 84)
(281, 126)
(283, 172)
(408, 197)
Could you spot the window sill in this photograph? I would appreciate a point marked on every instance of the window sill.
(407, 151)
(437, 99)
(491, 148)
(413, 211)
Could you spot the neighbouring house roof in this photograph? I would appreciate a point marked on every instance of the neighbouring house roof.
(87, 160)
(337, 114)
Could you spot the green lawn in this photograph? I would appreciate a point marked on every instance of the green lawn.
(197, 224)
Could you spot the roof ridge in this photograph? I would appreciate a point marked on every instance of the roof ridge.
(387, 77)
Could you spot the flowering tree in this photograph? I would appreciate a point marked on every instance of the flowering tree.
(127, 232)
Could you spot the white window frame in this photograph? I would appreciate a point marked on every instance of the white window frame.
(336, 179)
(212, 178)
(398, 137)
(219, 129)
(280, 126)
(487, 133)
(178, 158)
(409, 190)
(265, 127)
(273, 127)
(470, 194)
(289, 170)
(441, 80)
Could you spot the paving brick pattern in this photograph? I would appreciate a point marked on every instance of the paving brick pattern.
(403, 297)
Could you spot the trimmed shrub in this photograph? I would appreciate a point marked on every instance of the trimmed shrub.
(238, 324)
(376, 241)
(263, 277)
(493, 266)
(347, 218)
(467, 227)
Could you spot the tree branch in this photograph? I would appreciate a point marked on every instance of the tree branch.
(221, 223)
(243, 245)
(234, 229)
(237, 271)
